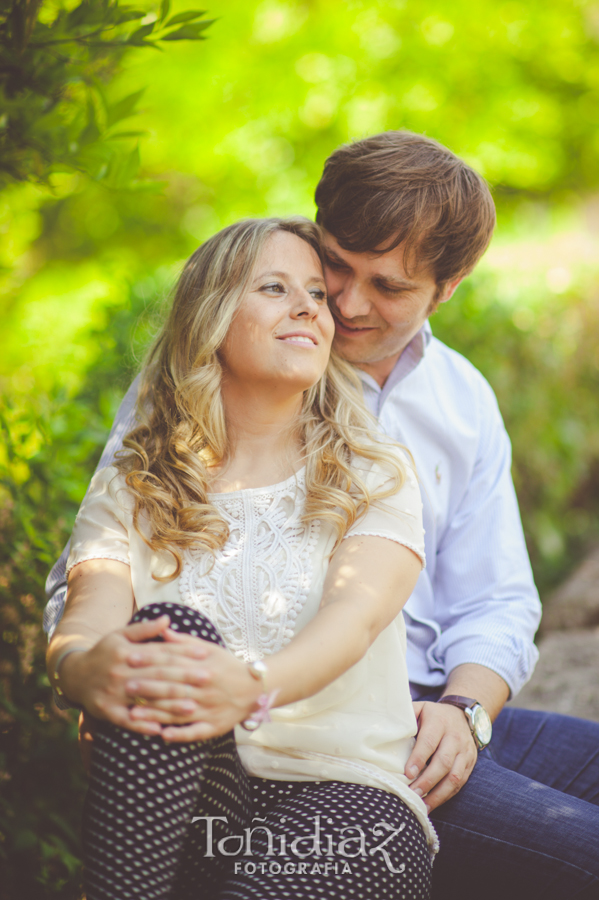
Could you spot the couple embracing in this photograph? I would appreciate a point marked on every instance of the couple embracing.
(298, 589)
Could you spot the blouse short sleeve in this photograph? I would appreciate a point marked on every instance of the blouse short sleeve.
(100, 530)
(398, 517)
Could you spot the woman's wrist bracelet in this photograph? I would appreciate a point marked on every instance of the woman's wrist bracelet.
(54, 679)
(259, 670)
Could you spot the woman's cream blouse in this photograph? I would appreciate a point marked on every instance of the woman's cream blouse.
(263, 587)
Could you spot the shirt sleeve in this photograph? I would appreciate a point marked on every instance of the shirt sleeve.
(398, 517)
(487, 604)
(101, 527)
(56, 583)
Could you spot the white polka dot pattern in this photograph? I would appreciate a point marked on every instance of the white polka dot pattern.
(141, 843)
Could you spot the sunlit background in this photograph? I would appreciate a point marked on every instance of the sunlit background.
(240, 124)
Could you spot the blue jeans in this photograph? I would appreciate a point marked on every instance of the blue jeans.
(526, 824)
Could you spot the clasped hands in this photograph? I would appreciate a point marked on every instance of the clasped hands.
(185, 681)
(205, 691)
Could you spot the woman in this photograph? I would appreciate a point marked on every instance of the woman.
(265, 537)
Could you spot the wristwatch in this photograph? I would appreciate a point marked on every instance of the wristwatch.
(478, 718)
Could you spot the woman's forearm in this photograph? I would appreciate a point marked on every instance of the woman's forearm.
(368, 582)
(99, 601)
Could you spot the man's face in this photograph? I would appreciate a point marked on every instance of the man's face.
(377, 307)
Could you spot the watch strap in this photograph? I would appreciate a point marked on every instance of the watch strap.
(461, 702)
(471, 708)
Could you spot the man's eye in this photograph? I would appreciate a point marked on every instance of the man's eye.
(335, 264)
(390, 291)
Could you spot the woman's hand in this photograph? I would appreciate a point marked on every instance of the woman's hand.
(97, 678)
(99, 605)
(367, 583)
(217, 693)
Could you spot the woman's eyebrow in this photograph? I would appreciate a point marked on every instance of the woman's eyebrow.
(286, 275)
(271, 273)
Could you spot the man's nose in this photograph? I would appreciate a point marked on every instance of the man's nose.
(351, 300)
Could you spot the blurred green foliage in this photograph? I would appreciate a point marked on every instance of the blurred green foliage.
(241, 126)
(54, 113)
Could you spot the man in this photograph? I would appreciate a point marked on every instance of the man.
(405, 220)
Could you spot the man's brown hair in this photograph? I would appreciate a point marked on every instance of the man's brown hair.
(403, 188)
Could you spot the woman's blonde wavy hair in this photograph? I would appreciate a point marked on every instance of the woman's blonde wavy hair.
(182, 421)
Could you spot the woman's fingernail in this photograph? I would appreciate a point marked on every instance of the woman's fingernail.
(413, 771)
(428, 809)
(134, 657)
(132, 686)
(418, 791)
(187, 705)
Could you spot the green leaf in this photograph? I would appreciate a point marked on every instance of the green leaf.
(91, 132)
(190, 32)
(121, 135)
(165, 7)
(129, 15)
(185, 17)
(123, 108)
(138, 36)
(123, 169)
(78, 16)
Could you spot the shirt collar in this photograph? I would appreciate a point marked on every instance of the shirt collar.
(407, 362)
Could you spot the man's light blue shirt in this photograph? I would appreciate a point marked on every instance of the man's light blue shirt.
(476, 601)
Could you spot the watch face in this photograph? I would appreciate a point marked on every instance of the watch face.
(482, 725)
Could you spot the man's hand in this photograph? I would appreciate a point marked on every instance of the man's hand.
(444, 736)
(445, 741)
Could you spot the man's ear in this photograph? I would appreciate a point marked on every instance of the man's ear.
(449, 289)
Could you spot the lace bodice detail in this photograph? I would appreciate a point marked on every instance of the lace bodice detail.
(255, 587)
(264, 586)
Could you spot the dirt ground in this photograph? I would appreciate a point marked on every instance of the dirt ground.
(566, 679)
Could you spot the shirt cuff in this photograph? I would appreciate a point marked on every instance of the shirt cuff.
(514, 662)
(53, 611)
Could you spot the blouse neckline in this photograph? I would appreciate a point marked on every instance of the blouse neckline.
(267, 489)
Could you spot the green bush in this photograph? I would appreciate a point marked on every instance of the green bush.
(547, 382)
(243, 128)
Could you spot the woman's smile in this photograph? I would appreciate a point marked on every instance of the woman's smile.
(290, 310)
(299, 339)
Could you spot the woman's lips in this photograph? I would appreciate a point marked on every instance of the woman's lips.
(299, 338)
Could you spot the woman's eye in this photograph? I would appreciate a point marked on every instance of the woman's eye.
(274, 287)
(318, 295)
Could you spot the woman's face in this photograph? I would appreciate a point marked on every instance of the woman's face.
(282, 333)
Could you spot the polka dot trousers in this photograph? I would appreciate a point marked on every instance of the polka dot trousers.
(185, 822)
